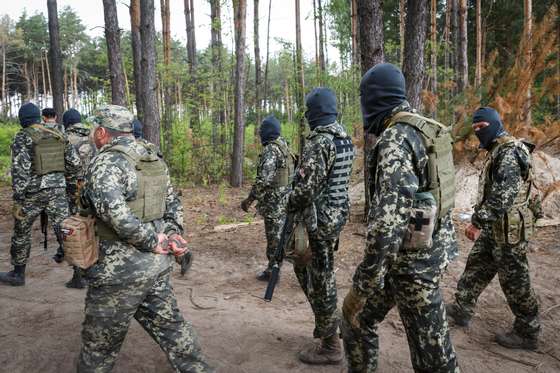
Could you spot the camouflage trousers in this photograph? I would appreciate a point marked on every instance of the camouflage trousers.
(422, 312)
(109, 311)
(318, 281)
(273, 229)
(487, 259)
(53, 201)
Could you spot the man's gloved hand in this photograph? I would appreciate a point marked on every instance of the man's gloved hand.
(17, 211)
(246, 203)
(177, 245)
(352, 307)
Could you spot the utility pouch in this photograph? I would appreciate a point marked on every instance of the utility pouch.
(422, 222)
(298, 250)
(516, 226)
(81, 247)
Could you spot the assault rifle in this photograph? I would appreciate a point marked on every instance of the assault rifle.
(44, 228)
(287, 232)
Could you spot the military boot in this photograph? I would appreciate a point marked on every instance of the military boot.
(59, 256)
(459, 317)
(327, 352)
(77, 281)
(15, 277)
(515, 341)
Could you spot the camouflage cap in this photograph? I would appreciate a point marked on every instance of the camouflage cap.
(114, 117)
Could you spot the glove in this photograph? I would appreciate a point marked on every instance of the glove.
(246, 203)
(17, 211)
(352, 307)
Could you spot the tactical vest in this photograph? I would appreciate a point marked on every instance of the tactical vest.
(517, 223)
(48, 149)
(439, 148)
(339, 174)
(150, 201)
(284, 174)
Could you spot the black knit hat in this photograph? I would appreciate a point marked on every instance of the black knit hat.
(29, 114)
(70, 117)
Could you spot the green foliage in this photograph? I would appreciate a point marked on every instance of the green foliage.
(7, 133)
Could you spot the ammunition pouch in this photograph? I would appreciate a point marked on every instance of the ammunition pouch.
(516, 226)
(423, 222)
(81, 247)
(298, 250)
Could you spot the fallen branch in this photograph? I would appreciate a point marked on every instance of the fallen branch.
(229, 227)
(196, 305)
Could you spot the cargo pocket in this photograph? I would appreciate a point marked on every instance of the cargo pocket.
(514, 226)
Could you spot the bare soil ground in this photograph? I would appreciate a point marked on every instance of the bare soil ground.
(41, 322)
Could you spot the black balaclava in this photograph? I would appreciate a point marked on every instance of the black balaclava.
(29, 114)
(381, 90)
(70, 117)
(137, 129)
(270, 129)
(487, 135)
(321, 107)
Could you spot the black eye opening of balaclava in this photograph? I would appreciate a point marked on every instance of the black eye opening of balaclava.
(382, 89)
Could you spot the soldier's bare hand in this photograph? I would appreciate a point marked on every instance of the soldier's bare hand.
(472, 232)
(177, 245)
(163, 245)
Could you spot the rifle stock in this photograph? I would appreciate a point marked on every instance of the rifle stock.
(44, 228)
(287, 230)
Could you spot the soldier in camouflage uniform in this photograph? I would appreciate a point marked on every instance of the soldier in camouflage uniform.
(322, 179)
(79, 136)
(410, 236)
(274, 175)
(50, 119)
(501, 224)
(43, 163)
(137, 212)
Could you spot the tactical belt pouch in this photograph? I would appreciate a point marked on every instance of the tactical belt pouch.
(422, 222)
(80, 244)
(516, 226)
(298, 250)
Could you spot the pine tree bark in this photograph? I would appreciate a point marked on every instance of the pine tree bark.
(402, 22)
(301, 82)
(478, 69)
(415, 39)
(528, 30)
(370, 33)
(322, 65)
(55, 57)
(462, 61)
(192, 62)
(317, 62)
(454, 5)
(216, 40)
(149, 87)
(167, 85)
(433, 47)
(257, 67)
(136, 43)
(113, 37)
(265, 95)
(239, 15)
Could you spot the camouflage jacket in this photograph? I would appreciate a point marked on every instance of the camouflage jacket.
(110, 182)
(312, 177)
(398, 166)
(271, 199)
(25, 181)
(498, 191)
(78, 135)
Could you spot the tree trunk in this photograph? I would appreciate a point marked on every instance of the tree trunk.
(455, 41)
(113, 37)
(257, 67)
(216, 35)
(192, 62)
(321, 36)
(167, 85)
(478, 71)
(148, 34)
(317, 62)
(370, 35)
(528, 30)
(462, 61)
(55, 57)
(301, 82)
(415, 39)
(265, 96)
(239, 15)
(4, 98)
(354, 30)
(44, 81)
(402, 21)
(434, 49)
(136, 43)
(48, 72)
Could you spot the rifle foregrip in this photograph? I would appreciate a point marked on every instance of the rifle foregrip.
(272, 283)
